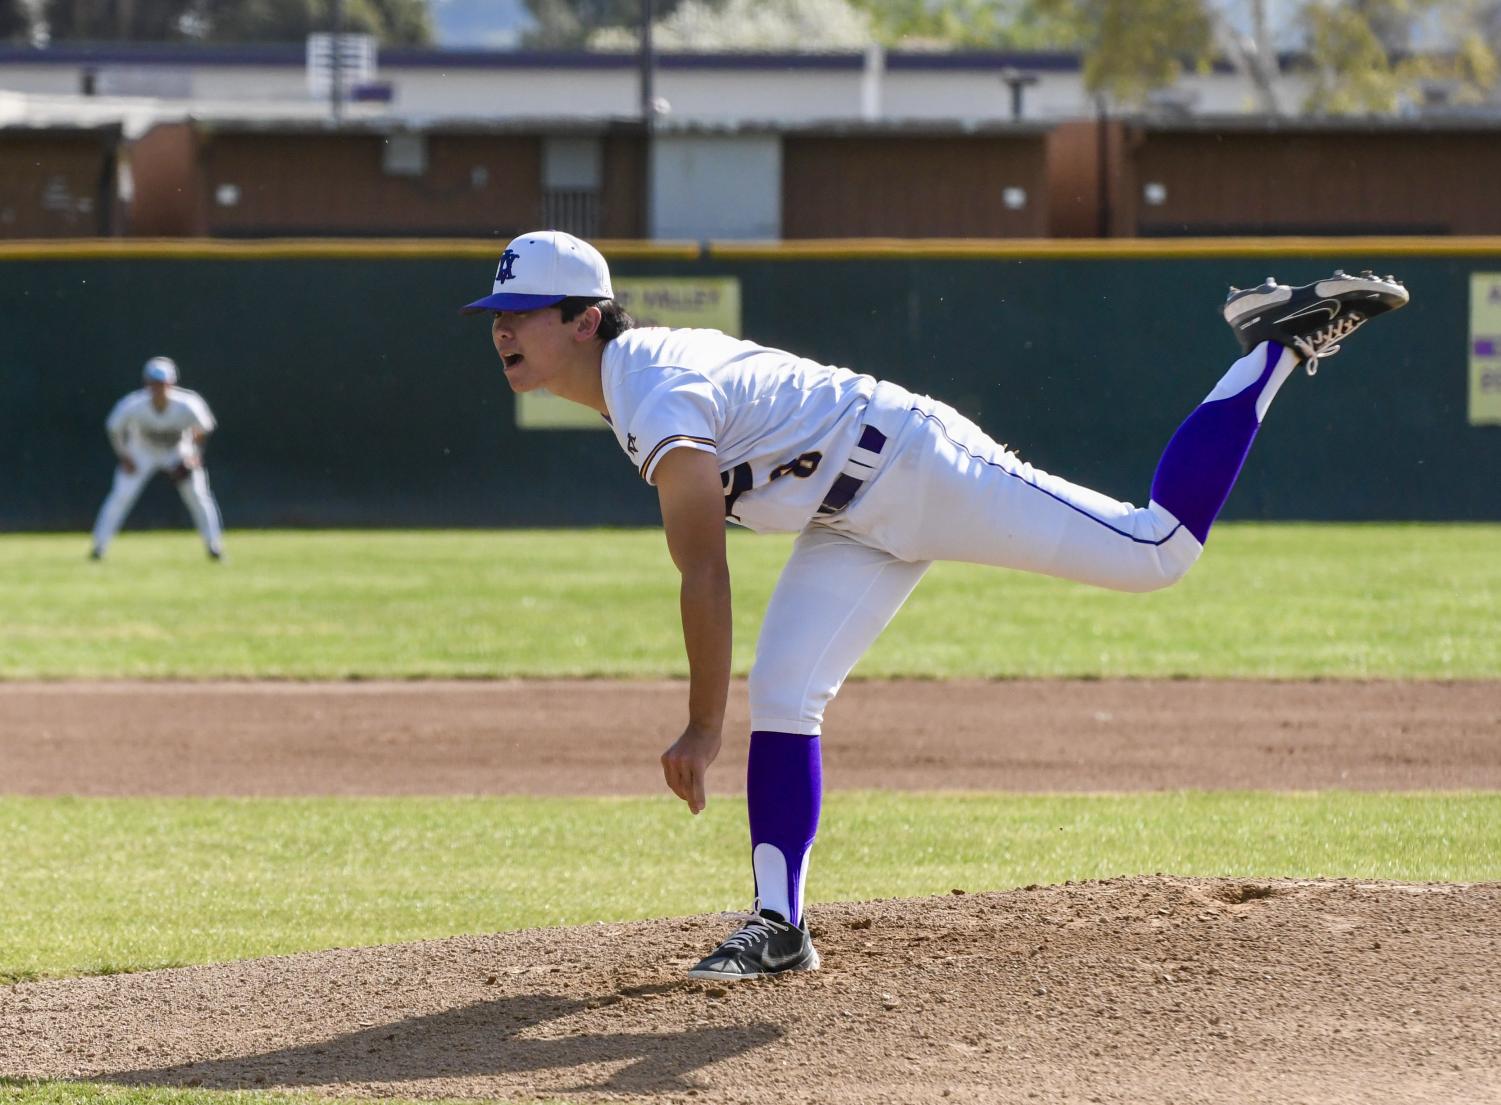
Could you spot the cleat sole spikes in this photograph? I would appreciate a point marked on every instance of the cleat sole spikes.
(1314, 319)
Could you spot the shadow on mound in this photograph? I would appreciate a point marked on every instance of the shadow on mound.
(485, 1040)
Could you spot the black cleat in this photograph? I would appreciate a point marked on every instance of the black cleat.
(1311, 320)
(95, 554)
(764, 945)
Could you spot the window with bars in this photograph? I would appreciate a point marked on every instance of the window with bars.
(575, 210)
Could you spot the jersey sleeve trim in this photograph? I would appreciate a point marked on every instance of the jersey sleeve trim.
(660, 447)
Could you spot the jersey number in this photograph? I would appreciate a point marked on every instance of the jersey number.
(738, 480)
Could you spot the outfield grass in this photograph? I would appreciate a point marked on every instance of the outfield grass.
(122, 884)
(1298, 601)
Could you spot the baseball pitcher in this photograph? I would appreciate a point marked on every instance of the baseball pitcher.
(877, 482)
(159, 428)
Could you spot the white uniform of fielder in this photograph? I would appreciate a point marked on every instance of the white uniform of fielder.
(160, 428)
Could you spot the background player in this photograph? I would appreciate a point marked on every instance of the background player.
(160, 428)
(878, 483)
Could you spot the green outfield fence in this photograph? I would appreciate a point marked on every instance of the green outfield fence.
(351, 393)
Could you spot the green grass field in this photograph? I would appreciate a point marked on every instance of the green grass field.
(103, 885)
(21, 1092)
(1400, 601)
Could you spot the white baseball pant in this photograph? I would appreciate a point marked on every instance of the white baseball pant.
(945, 491)
(127, 486)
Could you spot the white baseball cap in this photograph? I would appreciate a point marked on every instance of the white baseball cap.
(541, 268)
(163, 370)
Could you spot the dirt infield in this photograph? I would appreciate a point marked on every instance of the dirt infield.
(1142, 991)
(601, 737)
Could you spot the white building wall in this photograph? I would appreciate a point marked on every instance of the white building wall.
(250, 82)
(43, 80)
(1227, 94)
(502, 93)
(727, 96)
(976, 94)
(793, 95)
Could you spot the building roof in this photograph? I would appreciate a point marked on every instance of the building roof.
(1447, 120)
(294, 55)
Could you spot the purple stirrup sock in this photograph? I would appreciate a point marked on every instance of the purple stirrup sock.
(1199, 466)
(784, 790)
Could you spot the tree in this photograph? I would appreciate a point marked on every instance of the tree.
(568, 24)
(1251, 49)
(1361, 58)
(113, 20)
(955, 23)
(1363, 55)
(1488, 21)
(407, 22)
(975, 24)
(1352, 65)
(15, 20)
(395, 22)
(750, 25)
(1133, 47)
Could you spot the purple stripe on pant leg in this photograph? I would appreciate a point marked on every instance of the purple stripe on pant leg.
(784, 791)
(1199, 466)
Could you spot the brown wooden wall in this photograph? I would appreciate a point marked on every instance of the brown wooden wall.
(622, 207)
(912, 187)
(169, 200)
(1085, 177)
(57, 184)
(335, 184)
(1232, 181)
(1444, 182)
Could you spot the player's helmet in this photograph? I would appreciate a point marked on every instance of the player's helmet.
(161, 370)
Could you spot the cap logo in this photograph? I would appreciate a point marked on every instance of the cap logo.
(507, 260)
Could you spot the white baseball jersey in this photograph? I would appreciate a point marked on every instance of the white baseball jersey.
(135, 423)
(929, 485)
(780, 425)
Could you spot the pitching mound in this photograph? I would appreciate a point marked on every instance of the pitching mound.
(1129, 990)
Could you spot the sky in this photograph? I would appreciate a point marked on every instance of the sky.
(478, 23)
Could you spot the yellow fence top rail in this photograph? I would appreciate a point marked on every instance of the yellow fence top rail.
(832, 249)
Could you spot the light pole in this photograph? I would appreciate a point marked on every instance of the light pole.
(1103, 214)
(336, 61)
(1017, 81)
(648, 116)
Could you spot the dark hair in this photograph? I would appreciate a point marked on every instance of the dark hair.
(613, 321)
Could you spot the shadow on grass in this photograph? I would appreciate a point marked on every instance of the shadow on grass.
(474, 1041)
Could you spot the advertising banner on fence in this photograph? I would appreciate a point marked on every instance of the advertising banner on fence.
(707, 302)
(1485, 349)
